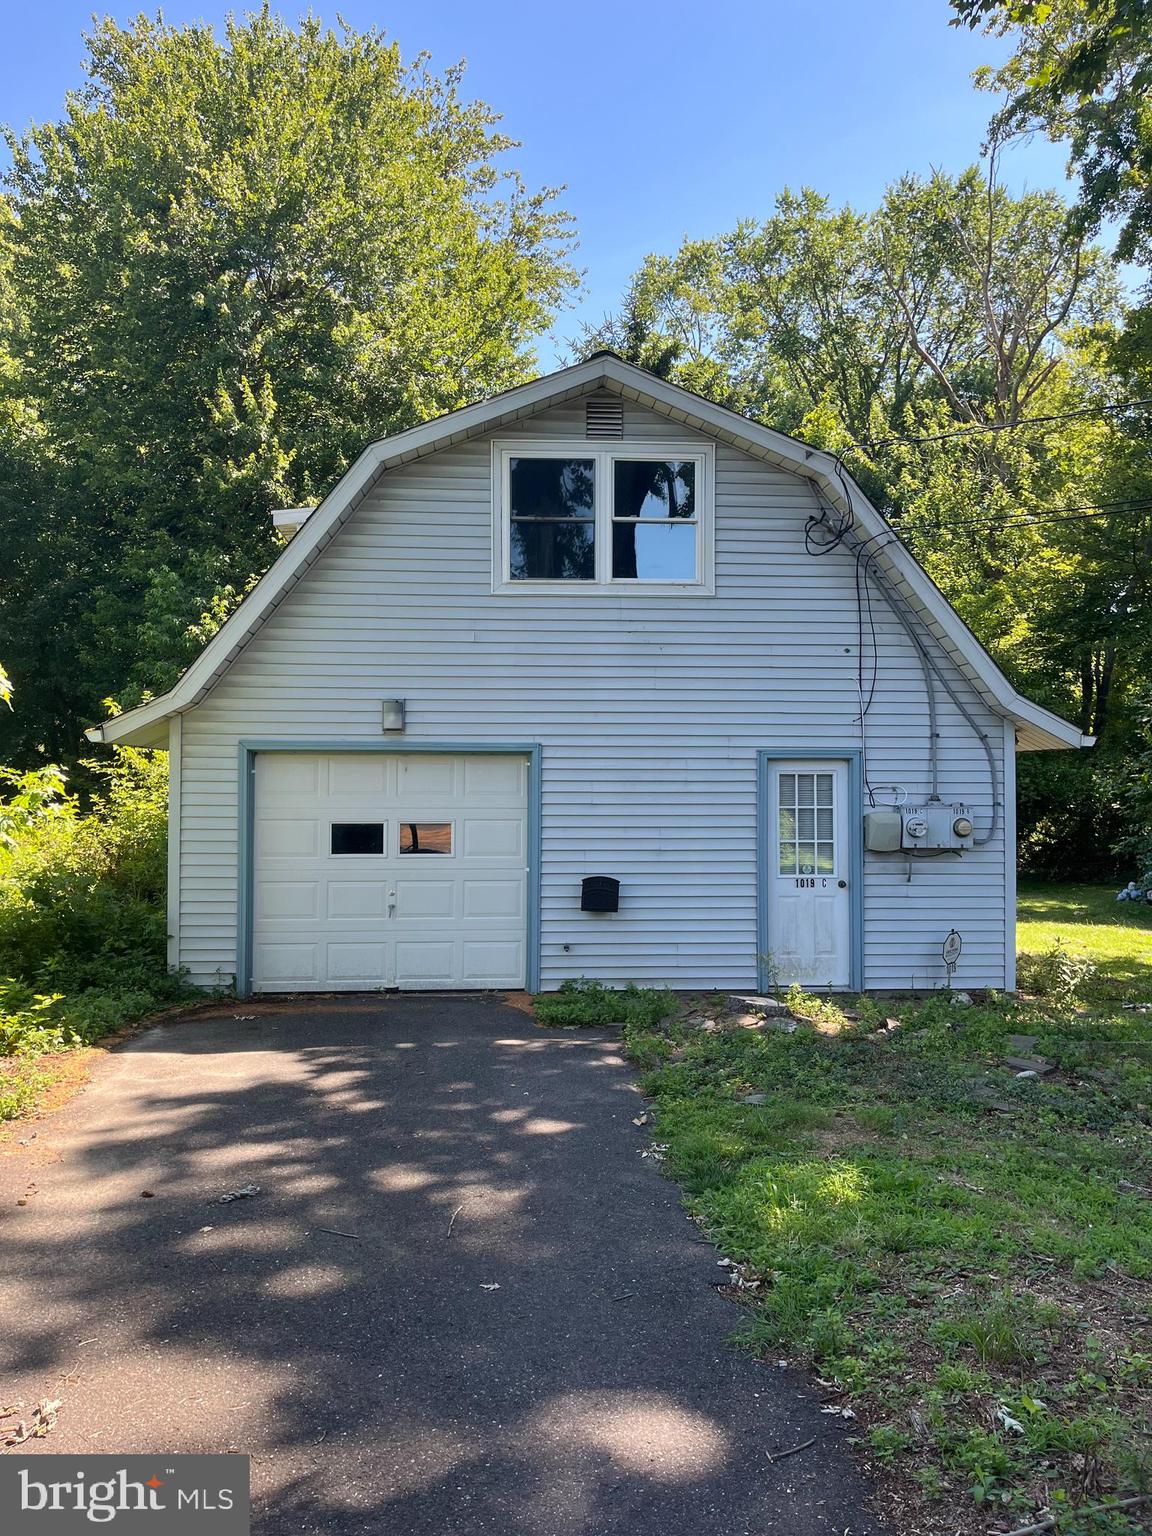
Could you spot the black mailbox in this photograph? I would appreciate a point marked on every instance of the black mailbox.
(599, 893)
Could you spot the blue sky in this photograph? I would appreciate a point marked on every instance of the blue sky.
(663, 119)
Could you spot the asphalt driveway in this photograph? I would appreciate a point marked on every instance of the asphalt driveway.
(462, 1301)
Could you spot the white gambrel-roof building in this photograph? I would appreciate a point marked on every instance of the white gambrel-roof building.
(594, 678)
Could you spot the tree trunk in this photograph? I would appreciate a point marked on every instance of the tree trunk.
(1104, 674)
(1087, 692)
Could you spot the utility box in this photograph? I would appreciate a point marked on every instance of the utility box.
(936, 826)
(883, 831)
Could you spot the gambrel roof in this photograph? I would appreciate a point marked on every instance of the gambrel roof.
(1037, 728)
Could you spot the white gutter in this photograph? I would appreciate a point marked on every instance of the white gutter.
(289, 520)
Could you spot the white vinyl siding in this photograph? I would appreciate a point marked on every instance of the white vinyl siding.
(649, 708)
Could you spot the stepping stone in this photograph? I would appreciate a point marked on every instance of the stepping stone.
(986, 1095)
(1035, 1064)
(1021, 1045)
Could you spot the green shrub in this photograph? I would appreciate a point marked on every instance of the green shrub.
(82, 904)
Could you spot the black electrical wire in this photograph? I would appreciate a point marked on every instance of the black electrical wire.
(869, 443)
(1022, 518)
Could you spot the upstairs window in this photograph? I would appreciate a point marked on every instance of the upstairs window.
(553, 519)
(654, 520)
(583, 520)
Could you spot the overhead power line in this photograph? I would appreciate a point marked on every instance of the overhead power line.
(1020, 517)
(1017, 518)
(869, 443)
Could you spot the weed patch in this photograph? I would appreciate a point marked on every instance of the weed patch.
(584, 1002)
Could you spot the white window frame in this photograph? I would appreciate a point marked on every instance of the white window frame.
(704, 455)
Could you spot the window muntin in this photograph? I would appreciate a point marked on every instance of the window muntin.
(807, 824)
(425, 837)
(595, 517)
(357, 837)
(552, 519)
(654, 520)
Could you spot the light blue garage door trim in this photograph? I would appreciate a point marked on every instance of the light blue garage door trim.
(247, 822)
(765, 835)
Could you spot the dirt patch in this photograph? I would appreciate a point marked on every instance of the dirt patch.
(522, 1002)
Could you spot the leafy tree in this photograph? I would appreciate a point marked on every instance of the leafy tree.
(956, 347)
(953, 292)
(1082, 72)
(232, 262)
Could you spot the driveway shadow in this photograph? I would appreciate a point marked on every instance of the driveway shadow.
(462, 1300)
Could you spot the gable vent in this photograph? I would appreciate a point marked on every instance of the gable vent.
(604, 416)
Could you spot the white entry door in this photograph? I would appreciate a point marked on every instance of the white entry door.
(379, 870)
(809, 902)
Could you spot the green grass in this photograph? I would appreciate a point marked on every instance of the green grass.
(1089, 921)
(967, 1254)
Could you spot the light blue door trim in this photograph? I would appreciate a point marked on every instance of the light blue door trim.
(247, 822)
(765, 836)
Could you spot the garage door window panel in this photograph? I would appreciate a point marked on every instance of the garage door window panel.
(357, 838)
(426, 837)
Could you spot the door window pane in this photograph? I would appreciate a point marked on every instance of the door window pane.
(425, 837)
(357, 837)
(806, 823)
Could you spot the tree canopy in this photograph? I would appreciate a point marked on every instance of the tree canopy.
(233, 261)
(957, 346)
(1082, 72)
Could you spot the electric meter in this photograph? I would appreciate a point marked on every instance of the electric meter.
(936, 826)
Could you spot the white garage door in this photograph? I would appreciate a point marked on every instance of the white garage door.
(401, 870)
